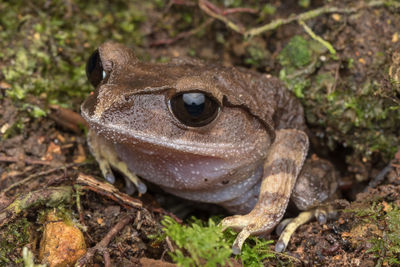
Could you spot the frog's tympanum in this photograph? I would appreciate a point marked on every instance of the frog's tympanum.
(204, 132)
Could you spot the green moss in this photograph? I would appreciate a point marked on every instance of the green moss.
(205, 244)
(45, 55)
(296, 53)
(358, 116)
(255, 251)
(386, 242)
(268, 9)
(256, 55)
(12, 238)
(304, 3)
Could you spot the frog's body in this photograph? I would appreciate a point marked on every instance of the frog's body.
(202, 132)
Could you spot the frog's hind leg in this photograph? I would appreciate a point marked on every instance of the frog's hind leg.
(281, 168)
(317, 183)
(105, 154)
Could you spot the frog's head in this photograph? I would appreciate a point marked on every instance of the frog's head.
(185, 105)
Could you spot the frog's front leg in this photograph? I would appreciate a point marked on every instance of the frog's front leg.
(105, 155)
(282, 166)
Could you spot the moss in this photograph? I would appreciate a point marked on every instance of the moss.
(256, 55)
(381, 224)
(205, 244)
(201, 243)
(44, 55)
(296, 53)
(358, 116)
(12, 239)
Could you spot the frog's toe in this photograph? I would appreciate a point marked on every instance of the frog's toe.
(135, 182)
(291, 227)
(236, 222)
(248, 225)
(241, 237)
(282, 225)
(322, 214)
(110, 177)
(130, 188)
(105, 168)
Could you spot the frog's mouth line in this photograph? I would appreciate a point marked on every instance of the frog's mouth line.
(111, 133)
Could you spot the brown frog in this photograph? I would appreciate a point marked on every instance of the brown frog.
(207, 133)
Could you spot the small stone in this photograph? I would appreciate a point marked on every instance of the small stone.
(336, 17)
(395, 37)
(62, 244)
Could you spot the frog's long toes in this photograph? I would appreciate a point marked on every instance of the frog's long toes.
(236, 222)
(325, 213)
(242, 236)
(291, 227)
(134, 180)
(282, 225)
(109, 176)
(130, 188)
(280, 246)
(321, 216)
(142, 188)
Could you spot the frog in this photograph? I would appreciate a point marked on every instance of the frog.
(207, 133)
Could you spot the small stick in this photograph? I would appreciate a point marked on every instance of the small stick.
(102, 245)
(107, 190)
(212, 11)
(239, 10)
(107, 259)
(23, 181)
(318, 38)
(27, 160)
(312, 14)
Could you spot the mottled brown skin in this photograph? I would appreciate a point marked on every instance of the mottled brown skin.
(246, 160)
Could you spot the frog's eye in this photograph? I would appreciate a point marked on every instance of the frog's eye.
(194, 109)
(94, 69)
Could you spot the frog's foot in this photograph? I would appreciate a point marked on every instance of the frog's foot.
(248, 225)
(288, 226)
(105, 154)
(132, 182)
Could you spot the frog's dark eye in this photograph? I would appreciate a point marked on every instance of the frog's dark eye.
(194, 109)
(94, 69)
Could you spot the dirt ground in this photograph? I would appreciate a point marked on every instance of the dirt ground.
(352, 106)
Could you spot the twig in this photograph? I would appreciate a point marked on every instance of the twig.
(107, 190)
(239, 10)
(36, 175)
(312, 14)
(102, 245)
(107, 259)
(78, 204)
(27, 160)
(207, 8)
(318, 38)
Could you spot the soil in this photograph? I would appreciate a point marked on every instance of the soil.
(51, 151)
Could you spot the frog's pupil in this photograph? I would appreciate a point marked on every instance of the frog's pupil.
(194, 103)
